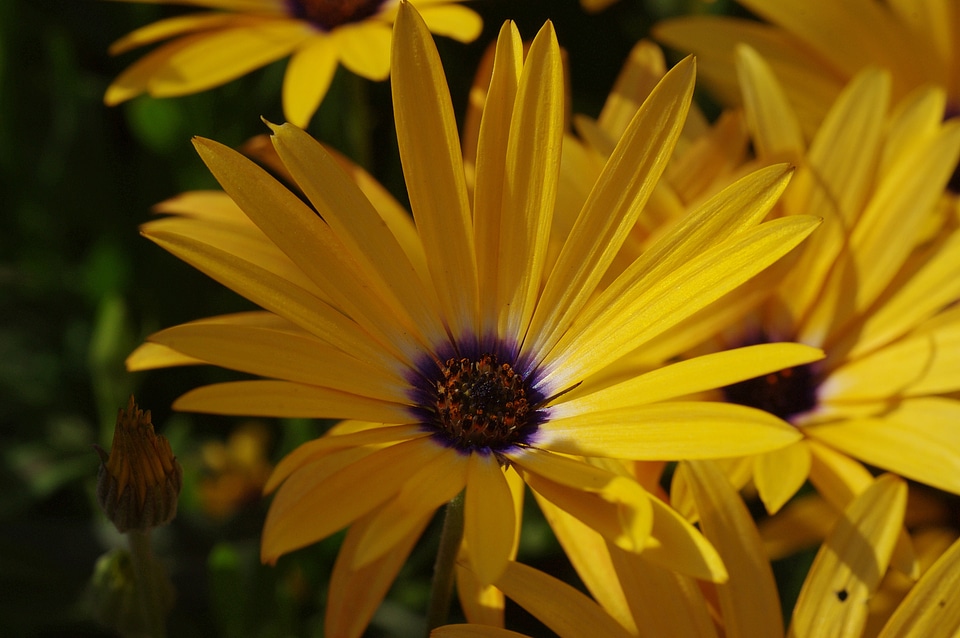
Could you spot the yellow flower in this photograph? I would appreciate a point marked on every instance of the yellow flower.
(209, 49)
(837, 597)
(817, 46)
(139, 481)
(463, 362)
(235, 472)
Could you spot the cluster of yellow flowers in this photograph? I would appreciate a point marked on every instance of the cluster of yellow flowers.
(640, 319)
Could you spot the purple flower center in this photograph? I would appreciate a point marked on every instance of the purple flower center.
(330, 14)
(785, 394)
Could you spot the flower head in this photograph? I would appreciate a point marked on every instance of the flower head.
(464, 362)
(139, 481)
(204, 50)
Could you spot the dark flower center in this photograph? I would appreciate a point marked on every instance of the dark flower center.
(329, 14)
(785, 394)
(954, 184)
(481, 404)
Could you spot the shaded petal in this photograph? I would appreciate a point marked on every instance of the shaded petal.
(170, 27)
(433, 168)
(557, 605)
(364, 48)
(848, 568)
(676, 545)
(748, 600)
(780, 473)
(285, 399)
(473, 631)
(918, 439)
(489, 525)
(307, 509)
(307, 79)
(668, 431)
(355, 592)
(773, 124)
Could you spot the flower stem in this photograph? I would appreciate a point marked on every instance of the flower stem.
(151, 602)
(442, 588)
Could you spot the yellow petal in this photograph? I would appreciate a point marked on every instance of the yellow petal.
(530, 186)
(355, 592)
(851, 562)
(164, 29)
(285, 399)
(307, 79)
(136, 77)
(773, 124)
(748, 600)
(932, 608)
(307, 509)
(453, 21)
(433, 169)
(706, 372)
(149, 356)
(280, 354)
(364, 48)
(677, 546)
(780, 473)
(489, 526)
(216, 58)
(639, 76)
(627, 180)
(668, 431)
(473, 631)
(556, 604)
(918, 439)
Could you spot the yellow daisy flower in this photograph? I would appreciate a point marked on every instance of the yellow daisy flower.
(449, 343)
(836, 598)
(204, 50)
(815, 47)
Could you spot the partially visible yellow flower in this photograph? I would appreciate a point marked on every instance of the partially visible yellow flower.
(140, 479)
(816, 47)
(835, 600)
(595, 6)
(236, 471)
(463, 360)
(204, 50)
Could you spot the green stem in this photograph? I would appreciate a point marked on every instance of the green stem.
(442, 589)
(151, 601)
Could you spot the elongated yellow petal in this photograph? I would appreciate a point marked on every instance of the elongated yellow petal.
(306, 509)
(640, 74)
(530, 183)
(283, 355)
(748, 600)
(286, 399)
(473, 631)
(217, 58)
(773, 123)
(677, 546)
(311, 243)
(627, 180)
(932, 608)
(918, 439)
(149, 356)
(489, 527)
(780, 473)
(135, 78)
(668, 431)
(851, 562)
(265, 7)
(568, 471)
(433, 169)
(706, 372)
(179, 25)
(276, 294)
(556, 604)
(355, 592)
(307, 79)
(491, 160)
(357, 224)
(452, 20)
(423, 492)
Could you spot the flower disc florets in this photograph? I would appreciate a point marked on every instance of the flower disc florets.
(785, 394)
(479, 403)
(329, 14)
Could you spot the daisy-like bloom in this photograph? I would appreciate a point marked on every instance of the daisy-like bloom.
(837, 597)
(451, 347)
(817, 46)
(204, 50)
(875, 288)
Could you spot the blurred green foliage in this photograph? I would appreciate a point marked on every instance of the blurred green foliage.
(79, 289)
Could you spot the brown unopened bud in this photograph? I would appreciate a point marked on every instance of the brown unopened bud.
(139, 481)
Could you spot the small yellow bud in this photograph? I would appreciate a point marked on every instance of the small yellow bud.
(139, 481)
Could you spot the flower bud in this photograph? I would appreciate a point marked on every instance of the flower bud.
(139, 481)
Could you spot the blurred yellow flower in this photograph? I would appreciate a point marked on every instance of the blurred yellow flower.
(464, 361)
(204, 50)
(235, 471)
(816, 47)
